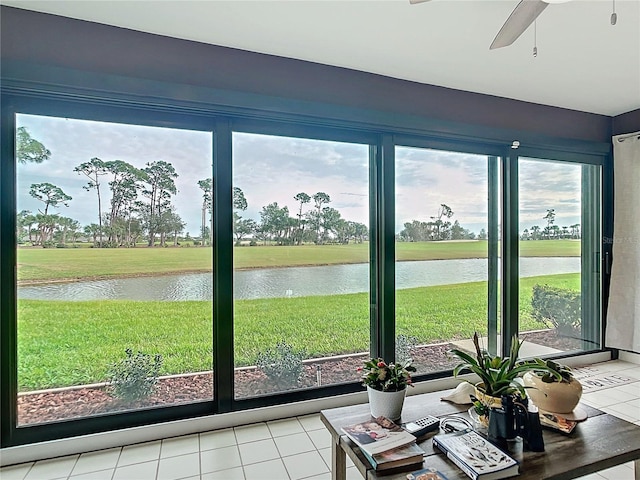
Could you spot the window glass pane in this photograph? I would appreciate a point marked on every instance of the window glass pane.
(301, 262)
(442, 254)
(559, 280)
(114, 284)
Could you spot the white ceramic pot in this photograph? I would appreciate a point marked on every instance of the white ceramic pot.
(386, 404)
(555, 397)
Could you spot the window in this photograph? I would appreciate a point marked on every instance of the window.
(559, 225)
(446, 254)
(114, 267)
(301, 262)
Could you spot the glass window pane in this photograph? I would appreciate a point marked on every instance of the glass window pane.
(301, 262)
(443, 292)
(559, 281)
(114, 284)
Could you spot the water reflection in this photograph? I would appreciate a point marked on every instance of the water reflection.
(289, 282)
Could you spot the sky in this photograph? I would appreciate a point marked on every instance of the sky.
(274, 169)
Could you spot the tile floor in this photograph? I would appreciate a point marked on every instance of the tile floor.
(293, 448)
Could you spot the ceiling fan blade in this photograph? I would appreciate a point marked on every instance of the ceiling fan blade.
(522, 16)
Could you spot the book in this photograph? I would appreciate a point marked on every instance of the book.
(407, 456)
(427, 474)
(378, 435)
(475, 455)
(556, 421)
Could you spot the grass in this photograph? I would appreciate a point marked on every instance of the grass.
(37, 264)
(64, 343)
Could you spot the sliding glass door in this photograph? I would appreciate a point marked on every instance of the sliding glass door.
(114, 268)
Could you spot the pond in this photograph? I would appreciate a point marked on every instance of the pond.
(288, 282)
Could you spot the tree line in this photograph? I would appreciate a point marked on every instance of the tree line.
(439, 228)
(140, 207)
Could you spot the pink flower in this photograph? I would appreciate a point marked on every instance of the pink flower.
(382, 364)
(359, 369)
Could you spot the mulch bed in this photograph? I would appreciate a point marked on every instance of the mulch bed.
(48, 406)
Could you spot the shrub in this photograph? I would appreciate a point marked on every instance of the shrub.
(253, 243)
(282, 365)
(559, 308)
(135, 377)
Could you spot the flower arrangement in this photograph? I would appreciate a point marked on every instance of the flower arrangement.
(392, 377)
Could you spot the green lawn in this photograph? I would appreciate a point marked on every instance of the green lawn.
(69, 343)
(37, 264)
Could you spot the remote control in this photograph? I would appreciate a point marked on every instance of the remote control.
(422, 425)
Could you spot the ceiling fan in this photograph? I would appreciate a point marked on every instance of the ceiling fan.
(522, 16)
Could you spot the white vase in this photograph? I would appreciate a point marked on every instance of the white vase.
(555, 397)
(386, 404)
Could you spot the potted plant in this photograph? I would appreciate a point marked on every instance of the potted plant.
(386, 386)
(499, 376)
(552, 386)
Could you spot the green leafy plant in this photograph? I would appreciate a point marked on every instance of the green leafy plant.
(497, 374)
(550, 371)
(391, 377)
(283, 365)
(559, 308)
(135, 376)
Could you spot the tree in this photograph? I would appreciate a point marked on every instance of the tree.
(331, 222)
(274, 222)
(303, 198)
(239, 200)
(441, 226)
(206, 186)
(550, 217)
(28, 149)
(92, 230)
(125, 185)
(93, 170)
(24, 221)
(243, 227)
(320, 199)
(159, 176)
(52, 196)
(535, 232)
(483, 234)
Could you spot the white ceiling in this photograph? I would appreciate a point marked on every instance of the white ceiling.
(583, 63)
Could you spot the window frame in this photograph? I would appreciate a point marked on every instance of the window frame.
(109, 101)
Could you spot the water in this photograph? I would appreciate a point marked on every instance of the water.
(288, 282)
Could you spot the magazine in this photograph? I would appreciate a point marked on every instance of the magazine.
(427, 474)
(409, 455)
(476, 456)
(556, 421)
(378, 435)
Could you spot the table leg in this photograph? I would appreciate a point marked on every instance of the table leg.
(636, 467)
(338, 461)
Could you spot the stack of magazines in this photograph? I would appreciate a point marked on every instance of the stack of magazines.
(386, 445)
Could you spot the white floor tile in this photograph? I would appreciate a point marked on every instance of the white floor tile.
(95, 461)
(294, 444)
(139, 453)
(217, 439)
(615, 413)
(53, 468)
(253, 432)
(259, 451)
(231, 474)
(354, 474)
(322, 476)
(621, 472)
(271, 470)
(146, 470)
(287, 426)
(305, 465)
(320, 438)
(223, 458)
(183, 466)
(15, 472)
(311, 422)
(100, 475)
(630, 410)
(325, 453)
(175, 446)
